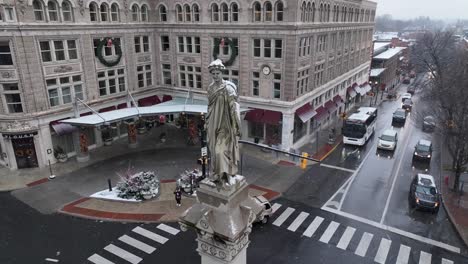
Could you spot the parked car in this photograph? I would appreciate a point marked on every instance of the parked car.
(412, 74)
(405, 96)
(388, 140)
(399, 116)
(407, 80)
(411, 90)
(423, 150)
(261, 207)
(423, 193)
(428, 123)
(407, 105)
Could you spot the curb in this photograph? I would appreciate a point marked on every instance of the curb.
(452, 220)
(332, 149)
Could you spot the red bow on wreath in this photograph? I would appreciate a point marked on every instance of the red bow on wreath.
(222, 43)
(109, 43)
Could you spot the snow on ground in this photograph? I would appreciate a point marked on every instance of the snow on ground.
(112, 195)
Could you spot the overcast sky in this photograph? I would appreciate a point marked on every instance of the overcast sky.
(438, 9)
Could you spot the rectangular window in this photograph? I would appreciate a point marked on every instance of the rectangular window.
(267, 48)
(321, 43)
(144, 76)
(9, 14)
(111, 82)
(231, 75)
(5, 53)
(302, 84)
(107, 50)
(318, 75)
(165, 43)
(255, 83)
(60, 89)
(277, 86)
(58, 50)
(12, 97)
(166, 74)
(190, 76)
(257, 48)
(189, 45)
(141, 44)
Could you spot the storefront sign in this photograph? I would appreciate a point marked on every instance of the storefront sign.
(15, 136)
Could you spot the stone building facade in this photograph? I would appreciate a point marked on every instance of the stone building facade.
(295, 63)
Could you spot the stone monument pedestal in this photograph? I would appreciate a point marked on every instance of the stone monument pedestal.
(223, 221)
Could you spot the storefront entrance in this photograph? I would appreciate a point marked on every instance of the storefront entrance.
(25, 152)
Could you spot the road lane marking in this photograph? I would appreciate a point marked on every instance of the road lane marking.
(280, 220)
(52, 260)
(446, 261)
(298, 221)
(123, 254)
(394, 230)
(313, 226)
(275, 207)
(327, 235)
(96, 259)
(150, 235)
(382, 252)
(425, 258)
(346, 237)
(387, 203)
(361, 249)
(137, 244)
(336, 167)
(168, 229)
(403, 254)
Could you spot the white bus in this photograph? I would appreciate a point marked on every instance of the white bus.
(359, 126)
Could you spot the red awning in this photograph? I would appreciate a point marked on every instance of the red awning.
(107, 109)
(271, 117)
(330, 106)
(122, 106)
(62, 128)
(254, 115)
(167, 98)
(338, 100)
(305, 112)
(351, 92)
(321, 113)
(149, 101)
(86, 114)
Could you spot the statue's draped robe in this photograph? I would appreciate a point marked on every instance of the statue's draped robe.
(223, 124)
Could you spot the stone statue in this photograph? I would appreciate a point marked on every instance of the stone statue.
(223, 127)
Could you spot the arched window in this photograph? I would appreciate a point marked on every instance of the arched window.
(308, 13)
(135, 12)
(38, 7)
(234, 12)
(144, 13)
(351, 15)
(224, 12)
(279, 11)
(303, 12)
(321, 13)
(104, 10)
(67, 12)
(162, 13)
(93, 12)
(214, 13)
(328, 13)
(188, 13)
(179, 13)
(313, 11)
(257, 12)
(268, 7)
(115, 12)
(52, 9)
(362, 15)
(196, 13)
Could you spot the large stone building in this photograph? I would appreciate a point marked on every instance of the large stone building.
(296, 63)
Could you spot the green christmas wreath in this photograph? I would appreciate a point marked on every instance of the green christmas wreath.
(100, 49)
(232, 45)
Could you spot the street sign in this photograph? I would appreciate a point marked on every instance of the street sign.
(204, 151)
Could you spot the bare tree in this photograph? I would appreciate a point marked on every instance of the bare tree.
(445, 61)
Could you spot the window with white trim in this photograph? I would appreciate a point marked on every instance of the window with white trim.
(93, 12)
(196, 13)
(165, 44)
(321, 43)
(144, 13)
(179, 13)
(108, 51)
(144, 75)
(318, 75)
(104, 10)
(277, 86)
(268, 48)
(67, 11)
(5, 53)
(304, 46)
(12, 97)
(188, 13)
(231, 75)
(38, 7)
(1, 19)
(135, 13)
(60, 89)
(190, 76)
(111, 81)
(255, 83)
(302, 82)
(214, 12)
(189, 44)
(234, 12)
(166, 74)
(115, 12)
(58, 50)
(9, 14)
(142, 44)
(162, 13)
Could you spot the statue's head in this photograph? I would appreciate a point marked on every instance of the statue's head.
(216, 65)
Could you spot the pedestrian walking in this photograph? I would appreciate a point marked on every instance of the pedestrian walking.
(178, 196)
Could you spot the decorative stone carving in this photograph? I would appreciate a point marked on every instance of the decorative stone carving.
(22, 6)
(144, 58)
(17, 126)
(125, 4)
(63, 69)
(165, 57)
(8, 74)
(189, 59)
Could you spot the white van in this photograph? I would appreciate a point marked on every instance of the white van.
(261, 208)
(388, 140)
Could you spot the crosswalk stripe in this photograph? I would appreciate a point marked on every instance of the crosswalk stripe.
(280, 220)
(168, 229)
(150, 235)
(446, 261)
(382, 252)
(275, 207)
(346, 237)
(313, 227)
(298, 221)
(123, 254)
(327, 235)
(425, 258)
(137, 244)
(366, 238)
(96, 259)
(403, 254)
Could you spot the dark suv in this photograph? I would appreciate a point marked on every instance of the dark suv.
(423, 150)
(423, 193)
(399, 116)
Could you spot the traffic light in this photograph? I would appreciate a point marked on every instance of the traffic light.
(303, 164)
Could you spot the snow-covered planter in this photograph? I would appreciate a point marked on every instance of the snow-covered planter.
(141, 186)
(184, 181)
